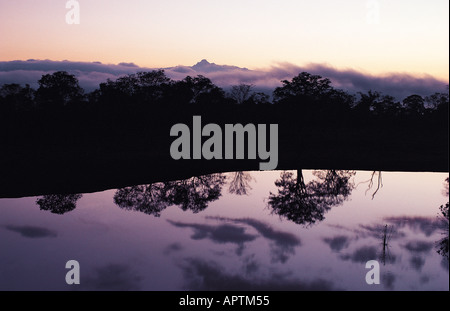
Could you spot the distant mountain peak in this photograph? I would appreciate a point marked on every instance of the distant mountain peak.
(205, 66)
(203, 62)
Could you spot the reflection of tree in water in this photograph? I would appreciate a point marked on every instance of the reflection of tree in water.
(442, 245)
(190, 194)
(240, 183)
(371, 183)
(58, 203)
(385, 238)
(148, 199)
(196, 192)
(306, 204)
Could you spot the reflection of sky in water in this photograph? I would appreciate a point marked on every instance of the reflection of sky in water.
(235, 243)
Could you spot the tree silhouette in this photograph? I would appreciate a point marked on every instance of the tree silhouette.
(58, 89)
(18, 98)
(241, 93)
(443, 244)
(201, 90)
(386, 106)
(58, 203)
(142, 87)
(240, 183)
(190, 194)
(305, 85)
(149, 199)
(195, 193)
(258, 98)
(414, 104)
(293, 200)
(437, 101)
(306, 204)
(371, 183)
(374, 103)
(131, 116)
(333, 183)
(446, 187)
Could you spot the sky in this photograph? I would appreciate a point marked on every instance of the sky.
(375, 37)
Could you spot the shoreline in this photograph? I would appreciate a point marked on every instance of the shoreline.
(70, 172)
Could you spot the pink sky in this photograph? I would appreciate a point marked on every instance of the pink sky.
(404, 37)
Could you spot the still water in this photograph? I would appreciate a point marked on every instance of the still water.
(294, 230)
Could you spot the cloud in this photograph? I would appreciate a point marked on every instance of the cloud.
(128, 64)
(207, 275)
(337, 243)
(399, 85)
(32, 232)
(112, 277)
(90, 74)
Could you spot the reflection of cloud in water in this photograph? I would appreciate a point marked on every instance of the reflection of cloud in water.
(426, 225)
(424, 279)
(417, 263)
(207, 275)
(283, 243)
(378, 231)
(417, 225)
(388, 280)
(171, 248)
(32, 232)
(418, 246)
(251, 266)
(113, 277)
(221, 234)
(366, 253)
(58, 203)
(362, 254)
(337, 243)
(444, 264)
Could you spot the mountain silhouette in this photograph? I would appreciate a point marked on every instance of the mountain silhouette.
(207, 67)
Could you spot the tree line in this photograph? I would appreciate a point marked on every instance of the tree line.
(61, 90)
(134, 113)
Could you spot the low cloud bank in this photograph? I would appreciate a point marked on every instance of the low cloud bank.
(91, 74)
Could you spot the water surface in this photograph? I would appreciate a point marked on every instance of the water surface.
(294, 230)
